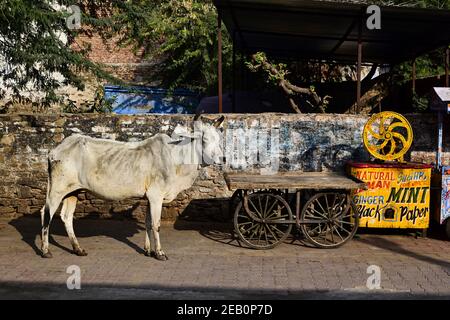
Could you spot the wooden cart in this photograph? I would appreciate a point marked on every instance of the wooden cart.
(263, 216)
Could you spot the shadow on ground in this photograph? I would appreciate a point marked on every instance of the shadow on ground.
(213, 219)
(386, 244)
(53, 291)
(120, 230)
(224, 232)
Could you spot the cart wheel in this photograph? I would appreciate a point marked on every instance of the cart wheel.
(337, 219)
(270, 208)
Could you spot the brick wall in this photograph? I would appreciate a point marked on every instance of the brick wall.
(106, 51)
(122, 61)
(307, 143)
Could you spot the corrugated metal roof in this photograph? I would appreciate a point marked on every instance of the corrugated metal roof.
(330, 30)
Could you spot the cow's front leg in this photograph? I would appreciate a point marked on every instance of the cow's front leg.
(155, 213)
(148, 230)
(68, 208)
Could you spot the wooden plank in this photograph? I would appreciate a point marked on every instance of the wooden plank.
(297, 180)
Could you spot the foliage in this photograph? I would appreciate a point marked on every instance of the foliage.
(428, 65)
(419, 104)
(182, 34)
(39, 52)
(257, 63)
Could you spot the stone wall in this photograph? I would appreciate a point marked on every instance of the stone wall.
(306, 143)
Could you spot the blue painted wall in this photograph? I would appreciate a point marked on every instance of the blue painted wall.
(141, 100)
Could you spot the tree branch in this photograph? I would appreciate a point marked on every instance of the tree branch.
(278, 74)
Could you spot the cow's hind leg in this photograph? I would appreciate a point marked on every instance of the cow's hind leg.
(47, 212)
(155, 212)
(68, 208)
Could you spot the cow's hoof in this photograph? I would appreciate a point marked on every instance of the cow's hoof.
(161, 257)
(80, 252)
(47, 255)
(149, 253)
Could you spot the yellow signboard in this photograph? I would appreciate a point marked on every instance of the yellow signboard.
(398, 195)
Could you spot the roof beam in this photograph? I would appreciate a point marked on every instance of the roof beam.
(345, 36)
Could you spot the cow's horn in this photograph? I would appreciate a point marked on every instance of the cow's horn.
(197, 116)
(219, 121)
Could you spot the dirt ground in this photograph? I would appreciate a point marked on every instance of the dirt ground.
(207, 262)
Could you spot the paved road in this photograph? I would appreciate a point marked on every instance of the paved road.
(205, 262)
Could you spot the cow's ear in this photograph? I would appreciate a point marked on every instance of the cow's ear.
(219, 121)
(183, 140)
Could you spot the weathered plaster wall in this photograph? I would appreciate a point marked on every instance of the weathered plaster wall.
(306, 142)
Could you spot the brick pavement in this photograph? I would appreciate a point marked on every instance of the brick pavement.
(205, 262)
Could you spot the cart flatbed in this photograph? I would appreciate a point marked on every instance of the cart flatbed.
(300, 181)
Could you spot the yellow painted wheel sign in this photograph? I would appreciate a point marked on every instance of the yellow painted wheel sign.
(387, 136)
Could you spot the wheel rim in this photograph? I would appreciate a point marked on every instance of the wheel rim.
(337, 220)
(270, 208)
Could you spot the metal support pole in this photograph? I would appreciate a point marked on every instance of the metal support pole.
(358, 76)
(358, 79)
(233, 106)
(242, 73)
(447, 63)
(219, 56)
(439, 150)
(297, 206)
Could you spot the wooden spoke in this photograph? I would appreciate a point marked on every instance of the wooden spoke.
(323, 210)
(260, 207)
(332, 234)
(319, 213)
(271, 207)
(265, 207)
(338, 233)
(326, 203)
(244, 223)
(254, 207)
(271, 232)
(253, 227)
(346, 222)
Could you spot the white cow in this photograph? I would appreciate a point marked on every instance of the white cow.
(159, 167)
